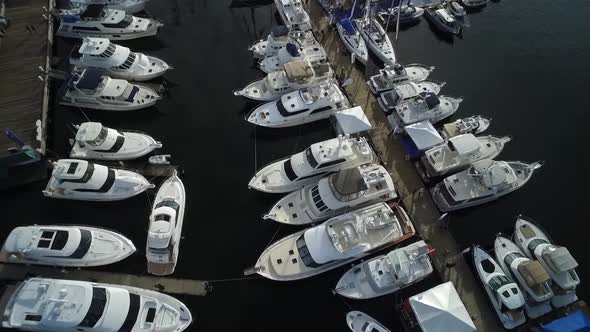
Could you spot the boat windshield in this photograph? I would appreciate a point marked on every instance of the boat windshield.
(307, 96)
(96, 309)
(102, 135)
(310, 158)
(347, 185)
(498, 281)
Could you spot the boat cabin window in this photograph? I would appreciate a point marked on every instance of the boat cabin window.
(162, 217)
(534, 243)
(55, 240)
(125, 22)
(132, 312)
(304, 253)
(169, 203)
(84, 245)
(87, 175)
(322, 109)
(317, 199)
(332, 163)
(110, 50)
(151, 314)
(96, 309)
(33, 317)
(310, 158)
(511, 257)
(289, 172)
(102, 135)
(283, 111)
(128, 62)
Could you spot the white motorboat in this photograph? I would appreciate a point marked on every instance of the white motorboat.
(387, 273)
(459, 152)
(75, 7)
(338, 241)
(92, 88)
(119, 61)
(528, 274)
(475, 125)
(333, 195)
(502, 291)
(43, 304)
(97, 20)
(474, 3)
(459, 14)
(557, 260)
(68, 246)
(408, 13)
(426, 106)
(361, 322)
(296, 75)
(278, 38)
(484, 181)
(163, 242)
(302, 106)
(377, 39)
(81, 180)
(389, 76)
(95, 141)
(309, 166)
(405, 91)
(443, 20)
(352, 40)
(314, 54)
(293, 14)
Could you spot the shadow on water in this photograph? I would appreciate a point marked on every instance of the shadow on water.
(441, 35)
(272, 134)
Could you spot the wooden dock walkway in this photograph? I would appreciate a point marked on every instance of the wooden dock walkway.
(24, 48)
(449, 261)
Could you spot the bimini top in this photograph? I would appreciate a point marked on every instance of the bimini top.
(348, 26)
(93, 11)
(423, 134)
(560, 259)
(89, 131)
(464, 144)
(90, 78)
(94, 46)
(298, 70)
(444, 15)
(70, 169)
(279, 31)
(430, 99)
(349, 181)
(292, 49)
(493, 173)
(533, 273)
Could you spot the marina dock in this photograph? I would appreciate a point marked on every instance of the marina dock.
(448, 261)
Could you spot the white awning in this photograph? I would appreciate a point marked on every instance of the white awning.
(424, 135)
(440, 309)
(352, 121)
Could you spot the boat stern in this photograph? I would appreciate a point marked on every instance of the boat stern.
(256, 91)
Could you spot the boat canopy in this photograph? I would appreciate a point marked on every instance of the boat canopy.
(279, 31)
(298, 70)
(90, 78)
(89, 131)
(349, 181)
(560, 258)
(424, 135)
(465, 144)
(533, 273)
(348, 26)
(431, 100)
(292, 49)
(320, 245)
(575, 322)
(352, 120)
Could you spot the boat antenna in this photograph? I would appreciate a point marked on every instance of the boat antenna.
(399, 11)
(389, 15)
(352, 10)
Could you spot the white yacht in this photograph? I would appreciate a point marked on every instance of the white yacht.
(296, 75)
(75, 7)
(389, 76)
(95, 141)
(81, 180)
(293, 14)
(278, 38)
(459, 14)
(309, 166)
(376, 39)
(528, 274)
(443, 20)
(504, 294)
(426, 106)
(408, 13)
(68, 246)
(459, 152)
(314, 54)
(360, 322)
(557, 260)
(119, 61)
(333, 195)
(336, 242)
(475, 125)
(404, 91)
(92, 88)
(97, 20)
(163, 242)
(387, 273)
(352, 40)
(302, 106)
(484, 181)
(43, 304)
(474, 3)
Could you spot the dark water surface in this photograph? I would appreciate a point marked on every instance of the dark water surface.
(522, 63)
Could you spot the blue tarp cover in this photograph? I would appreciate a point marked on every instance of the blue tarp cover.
(71, 19)
(292, 49)
(348, 25)
(576, 322)
(90, 78)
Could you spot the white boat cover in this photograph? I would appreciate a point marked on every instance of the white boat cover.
(424, 135)
(441, 309)
(352, 121)
(561, 259)
(320, 245)
(465, 144)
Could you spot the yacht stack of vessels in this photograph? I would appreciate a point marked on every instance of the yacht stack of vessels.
(75, 7)
(119, 61)
(314, 54)
(408, 13)
(475, 125)
(360, 322)
(293, 14)
(338, 241)
(426, 106)
(474, 3)
(352, 40)
(458, 13)
(82, 180)
(278, 38)
(396, 73)
(95, 141)
(333, 195)
(405, 91)
(443, 20)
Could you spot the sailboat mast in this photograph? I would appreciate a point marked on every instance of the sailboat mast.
(389, 15)
(352, 10)
(399, 12)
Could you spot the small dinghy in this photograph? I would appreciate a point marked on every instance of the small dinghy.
(338, 241)
(95, 141)
(361, 322)
(458, 13)
(165, 230)
(296, 75)
(352, 40)
(404, 91)
(314, 54)
(443, 20)
(528, 274)
(81, 180)
(309, 166)
(474, 3)
(333, 195)
(302, 106)
(278, 38)
(67, 246)
(408, 13)
(377, 39)
(503, 293)
(386, 274)
(161, 159)
(556, 260)
(475, 125)
(426, 106)
(76, 7)
(389, 76)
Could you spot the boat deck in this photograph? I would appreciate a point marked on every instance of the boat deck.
(24, 47)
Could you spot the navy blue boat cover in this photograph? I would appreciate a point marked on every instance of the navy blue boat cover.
(90, 78)
(348, 25)
(278, 31)
(292, 49)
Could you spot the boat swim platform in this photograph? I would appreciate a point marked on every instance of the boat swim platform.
(25, 49)
(448, 261)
